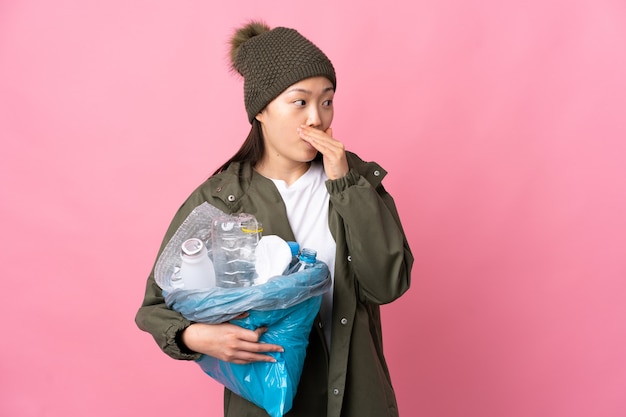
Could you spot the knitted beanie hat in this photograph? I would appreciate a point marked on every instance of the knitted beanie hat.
(270, 60)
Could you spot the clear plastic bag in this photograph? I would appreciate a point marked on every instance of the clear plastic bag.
(285, 304)
(217, 305)
(198, 225)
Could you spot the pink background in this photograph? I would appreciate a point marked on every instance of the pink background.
(502, 125)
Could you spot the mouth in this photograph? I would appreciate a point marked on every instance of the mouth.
(308, 145)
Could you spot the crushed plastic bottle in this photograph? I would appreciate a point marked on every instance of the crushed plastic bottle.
(235, 238)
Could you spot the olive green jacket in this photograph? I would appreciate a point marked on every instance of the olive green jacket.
(373, 267)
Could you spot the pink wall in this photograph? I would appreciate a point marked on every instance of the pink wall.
(502, 126)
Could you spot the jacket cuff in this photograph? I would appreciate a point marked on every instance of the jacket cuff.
(340, 184)
(175, 347)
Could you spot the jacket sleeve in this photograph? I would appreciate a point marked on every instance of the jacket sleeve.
(154, 317)
(164, 324)
(379, 252)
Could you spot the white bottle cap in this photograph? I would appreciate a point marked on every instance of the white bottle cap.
(192, 246)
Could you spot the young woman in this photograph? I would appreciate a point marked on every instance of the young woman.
(302, 185)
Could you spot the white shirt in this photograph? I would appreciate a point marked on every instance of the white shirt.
(306, 201)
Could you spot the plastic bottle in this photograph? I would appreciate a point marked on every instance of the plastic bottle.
(196, 270)
(306, 258)
(235, 238)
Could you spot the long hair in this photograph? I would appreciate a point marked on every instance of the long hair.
(251, 150)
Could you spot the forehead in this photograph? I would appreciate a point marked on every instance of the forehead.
(312, 85)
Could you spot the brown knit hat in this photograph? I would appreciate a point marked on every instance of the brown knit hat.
(270, 60)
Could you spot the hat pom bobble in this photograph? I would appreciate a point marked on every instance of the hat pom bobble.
(240, 37)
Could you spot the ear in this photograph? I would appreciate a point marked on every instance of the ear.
(259, 116)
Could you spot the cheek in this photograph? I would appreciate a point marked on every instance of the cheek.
(328, 119)
(283, 134)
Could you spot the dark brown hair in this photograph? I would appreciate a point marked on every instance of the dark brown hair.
(251, 150)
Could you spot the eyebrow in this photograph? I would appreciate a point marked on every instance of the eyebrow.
(304, 90)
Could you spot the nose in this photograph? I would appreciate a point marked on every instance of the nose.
(313, 117)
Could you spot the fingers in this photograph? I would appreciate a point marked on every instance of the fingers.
(248, 353)
(263, 347)
(259, 332)
(246, 348)
(229, 342)
(333, 151)
(321, 140)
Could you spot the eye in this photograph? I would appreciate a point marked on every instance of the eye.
(300, 103)
(328, 103)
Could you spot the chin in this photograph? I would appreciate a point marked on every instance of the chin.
(313, 157)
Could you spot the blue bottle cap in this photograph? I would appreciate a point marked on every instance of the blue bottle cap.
(308, 255)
